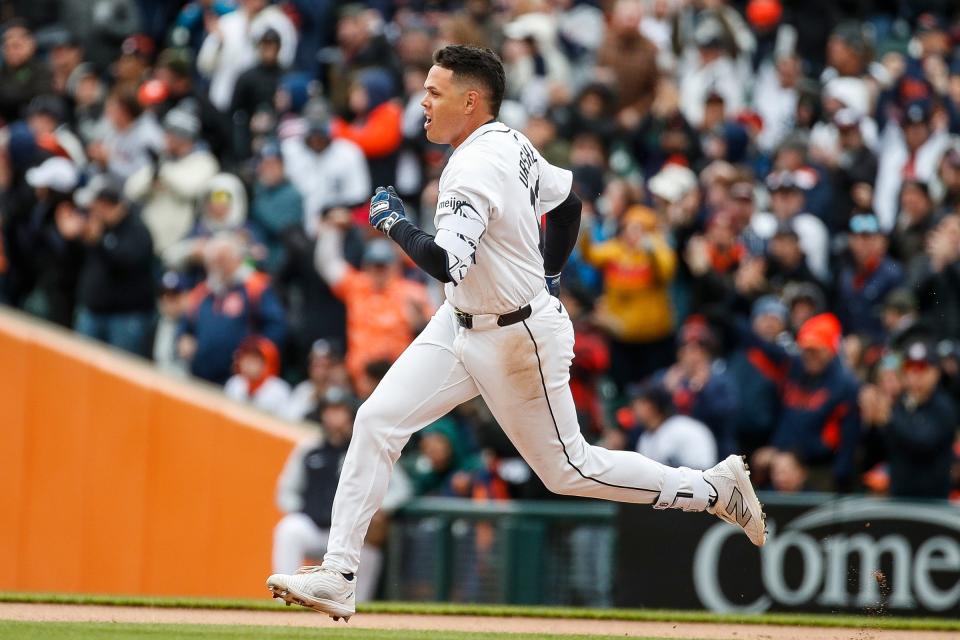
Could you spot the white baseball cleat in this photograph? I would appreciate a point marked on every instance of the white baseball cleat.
(737, 502)
(317, 588)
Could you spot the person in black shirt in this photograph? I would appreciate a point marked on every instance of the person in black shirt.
(255, 89)
(116, 290)
(920, 430)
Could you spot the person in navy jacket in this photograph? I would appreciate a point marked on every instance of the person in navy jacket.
(819, 417)
(233, 303)
(866, 282)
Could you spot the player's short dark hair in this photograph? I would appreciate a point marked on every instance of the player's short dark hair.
(475, 63)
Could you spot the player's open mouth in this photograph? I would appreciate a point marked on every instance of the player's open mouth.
(426, 121)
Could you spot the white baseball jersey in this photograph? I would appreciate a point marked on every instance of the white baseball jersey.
(493, 192)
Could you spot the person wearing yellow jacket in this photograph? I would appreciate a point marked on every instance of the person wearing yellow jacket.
(635, 309)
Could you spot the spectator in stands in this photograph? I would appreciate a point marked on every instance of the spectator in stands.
(865, 283)
(101, 26)
(787, 473)
(664, 135)
(257, 365)
(668, 437)
(130, 137)
(115, 296)
(132, 68)
(914, 222)
(360, 44)
(775, 98)
(919, 427)
(713, 259)
(384, 310)
(65, 55)
(854, 173)
(372, 374)
(949, 175)
(46, 117)
(175, 71)
(803, 300)
(172, 305)
(224, 209)
(938, 291)
(533, 61)
(591, 359)
(630, 58)
(900, 319)
(230, 46)
(710, 70)
(638, 267)
(233, 302)
(255, 88)
(911, 150)
(315, 312)
(819, 420)
(785, 262)
(375, 124)
(87, 92)
(700, 385)
(40, 270)
(170, 186)
(195, 18)
(325, 370)
(787, 206)
(328, 172)
(23, 75)
(305, 493)
(757, 378)
(277, 205)
(445, 463)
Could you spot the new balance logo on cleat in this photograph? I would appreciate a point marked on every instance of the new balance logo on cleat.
(738, 509)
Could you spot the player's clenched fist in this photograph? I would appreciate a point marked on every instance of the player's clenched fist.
(385, 209)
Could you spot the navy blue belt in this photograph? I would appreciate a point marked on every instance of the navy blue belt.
(465, 319)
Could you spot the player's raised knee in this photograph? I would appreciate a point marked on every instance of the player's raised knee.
(557, 481)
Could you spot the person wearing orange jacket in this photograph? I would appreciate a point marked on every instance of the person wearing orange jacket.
(635, 309)
(385, 311)
(376, 124)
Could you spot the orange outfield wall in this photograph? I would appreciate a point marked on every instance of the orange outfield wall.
(115, 478)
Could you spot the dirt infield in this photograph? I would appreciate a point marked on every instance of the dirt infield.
(701, 631)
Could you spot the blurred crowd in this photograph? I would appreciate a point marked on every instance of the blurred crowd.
(770, 254)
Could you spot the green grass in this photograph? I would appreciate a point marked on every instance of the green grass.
(125, 631)
(427, 608)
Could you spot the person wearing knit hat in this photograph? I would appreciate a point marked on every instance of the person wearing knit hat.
(818, 417)
(756, 377)
(819, 341)
(257, 366)
(770, 307)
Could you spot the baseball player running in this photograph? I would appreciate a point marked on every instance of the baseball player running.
(502, 334)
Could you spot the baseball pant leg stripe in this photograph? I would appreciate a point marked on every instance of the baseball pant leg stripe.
(557, 428)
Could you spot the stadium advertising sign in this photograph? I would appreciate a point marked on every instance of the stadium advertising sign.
(850, 555)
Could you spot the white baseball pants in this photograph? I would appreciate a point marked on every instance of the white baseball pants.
(523, 373)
